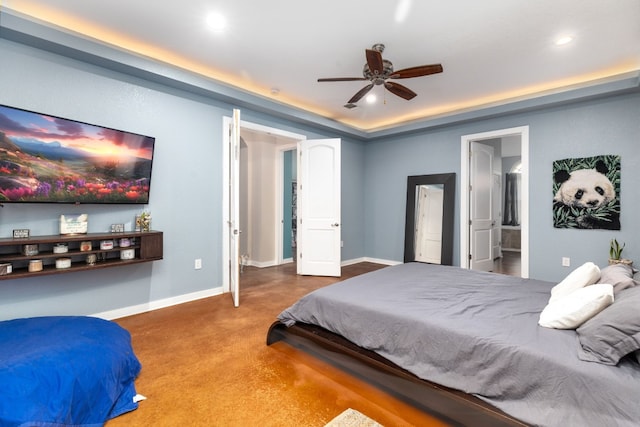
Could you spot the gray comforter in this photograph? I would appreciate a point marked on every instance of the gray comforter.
(476, 332)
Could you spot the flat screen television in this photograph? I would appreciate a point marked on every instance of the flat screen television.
(48, 159)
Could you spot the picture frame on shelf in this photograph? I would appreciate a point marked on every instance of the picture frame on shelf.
(117, 228)
(21, 233)
(74, 224)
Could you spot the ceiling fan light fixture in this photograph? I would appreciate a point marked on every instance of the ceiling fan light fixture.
(563, 40)
(371, 98)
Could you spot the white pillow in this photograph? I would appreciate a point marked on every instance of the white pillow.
(571, 311)
(585, 275)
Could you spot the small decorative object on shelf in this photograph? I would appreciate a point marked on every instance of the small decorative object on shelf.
(91, 259)
(85, 246)
(74, 224)
(615, 253)
(63, 262)
(125, 242)
(5, 268)
(30, 250)
(106, 244)
(21, 233)
(143, 221)
(60, 248)
(127, 254)
(35, 265)
(117, 228)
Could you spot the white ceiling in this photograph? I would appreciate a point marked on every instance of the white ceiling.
(492, 51)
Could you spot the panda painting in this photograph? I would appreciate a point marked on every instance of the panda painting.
(586, 193)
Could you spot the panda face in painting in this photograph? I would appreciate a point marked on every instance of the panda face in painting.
(585, 188)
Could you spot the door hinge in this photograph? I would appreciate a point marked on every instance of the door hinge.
(470, 258)
(300, 255)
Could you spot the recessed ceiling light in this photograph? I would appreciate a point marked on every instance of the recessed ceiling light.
(216, 21)
(402, 10)
(562, 40)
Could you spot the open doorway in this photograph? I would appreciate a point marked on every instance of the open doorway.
(266, 182)
(289, 205)
(500, 220)
(317, 197)
(509, 230)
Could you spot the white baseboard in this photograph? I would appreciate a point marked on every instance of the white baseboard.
(181, 299)
(261, 264)
(367, 259)
(156, 305)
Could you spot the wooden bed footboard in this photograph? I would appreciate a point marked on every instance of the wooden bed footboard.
(449, 405)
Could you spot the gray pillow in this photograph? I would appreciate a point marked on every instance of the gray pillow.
(614, 332)
(620, 276)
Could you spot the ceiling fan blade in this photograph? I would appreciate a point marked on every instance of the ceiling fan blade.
(374, 61)
(362, 92)
(419, 71)
(342, 79)
(401, 91)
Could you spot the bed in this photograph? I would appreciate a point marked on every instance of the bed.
(464, 345)
(65, 370)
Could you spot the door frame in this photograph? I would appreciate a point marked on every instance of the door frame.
(226, 184)
(523, 132)
(280, 197)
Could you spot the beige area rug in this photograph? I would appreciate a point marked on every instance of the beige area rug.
(352, 418)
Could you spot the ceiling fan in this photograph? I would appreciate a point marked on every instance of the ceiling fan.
(378, 71)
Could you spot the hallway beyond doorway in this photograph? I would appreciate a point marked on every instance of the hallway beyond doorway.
(508, 264)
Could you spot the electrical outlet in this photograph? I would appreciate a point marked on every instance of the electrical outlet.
(197, 264)
(566, 261)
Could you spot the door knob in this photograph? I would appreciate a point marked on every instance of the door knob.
(335, 224)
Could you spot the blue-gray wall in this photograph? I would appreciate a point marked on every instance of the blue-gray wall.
(186, 194)
(609, 125)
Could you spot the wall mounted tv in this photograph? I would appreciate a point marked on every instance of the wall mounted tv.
(48, 159)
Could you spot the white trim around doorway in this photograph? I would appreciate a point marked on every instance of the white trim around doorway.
(226, 122)
(523, 132)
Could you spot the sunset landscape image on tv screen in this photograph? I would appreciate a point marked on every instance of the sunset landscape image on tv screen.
(47, 159)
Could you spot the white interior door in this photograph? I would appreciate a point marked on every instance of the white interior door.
(319, 236)
(234, 209)
(481, 204)
(428, 232)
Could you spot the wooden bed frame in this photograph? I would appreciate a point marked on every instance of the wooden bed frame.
(452, 406)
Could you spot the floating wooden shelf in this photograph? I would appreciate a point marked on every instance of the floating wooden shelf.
(148, 246)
